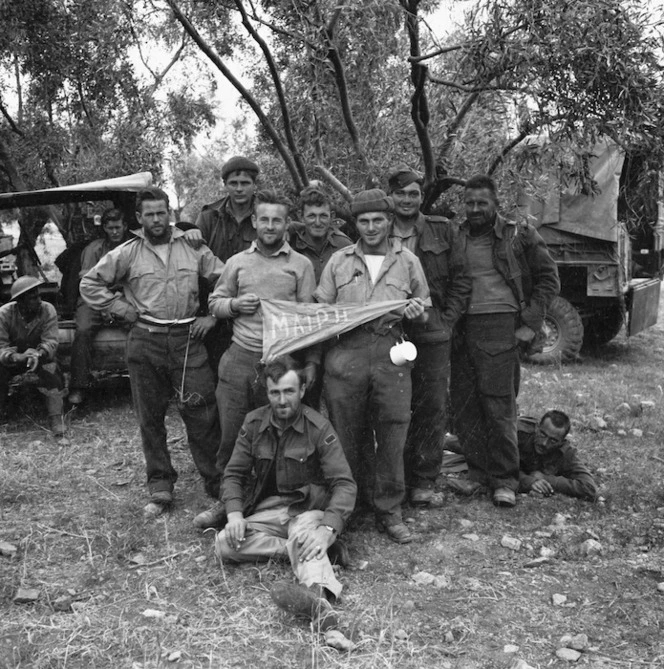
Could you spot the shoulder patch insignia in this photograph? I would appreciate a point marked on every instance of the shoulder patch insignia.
(330, 439)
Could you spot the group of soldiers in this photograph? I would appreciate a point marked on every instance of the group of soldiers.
(473, 294)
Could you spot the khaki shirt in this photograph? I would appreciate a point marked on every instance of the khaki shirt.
(152, 287)
(346, 280)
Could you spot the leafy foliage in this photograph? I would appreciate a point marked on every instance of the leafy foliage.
(76, 103)
(347, 90)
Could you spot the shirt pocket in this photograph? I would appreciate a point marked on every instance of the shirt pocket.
(301, 464)
(398, 288)
(145, 281)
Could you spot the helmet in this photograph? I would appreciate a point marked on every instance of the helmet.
(24, 284)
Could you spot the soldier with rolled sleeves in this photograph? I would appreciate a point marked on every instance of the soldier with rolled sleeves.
(28, 343)
(514, 281)
(159, 273)
(434, 241)
(365, 392)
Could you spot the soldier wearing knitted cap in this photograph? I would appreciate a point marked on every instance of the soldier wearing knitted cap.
(366, 393)
(225, 226)
(435, 242)
(28, 343)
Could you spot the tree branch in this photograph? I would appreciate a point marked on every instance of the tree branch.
(332, 181)
(279, 90)
(474, 89)
(159, 76)
(246, 95)
(437, 52)
(525, 131)
(342, 86)
(10, 120)
(419, 104)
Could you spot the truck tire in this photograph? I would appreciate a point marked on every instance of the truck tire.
(603, 327)
(564, 334)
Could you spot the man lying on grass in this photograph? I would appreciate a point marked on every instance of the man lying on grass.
(548, 463)
(302, 494)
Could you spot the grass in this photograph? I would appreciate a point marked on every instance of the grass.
(74, 512)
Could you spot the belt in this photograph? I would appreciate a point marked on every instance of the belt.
(164, 327)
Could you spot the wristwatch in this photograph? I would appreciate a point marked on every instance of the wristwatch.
(329, 527)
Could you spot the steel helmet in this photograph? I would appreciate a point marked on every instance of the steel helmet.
(23, 285)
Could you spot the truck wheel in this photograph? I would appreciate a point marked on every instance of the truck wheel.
(564, 334)
(603, 327)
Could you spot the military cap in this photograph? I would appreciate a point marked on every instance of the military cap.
(373, 199)
(401, 175)
(238, 164)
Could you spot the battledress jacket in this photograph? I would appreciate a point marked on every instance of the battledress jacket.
(311, 468)
(562, 468)
(534, 279)
(444, 262)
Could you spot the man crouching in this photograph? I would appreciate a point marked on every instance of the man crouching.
(302, 494)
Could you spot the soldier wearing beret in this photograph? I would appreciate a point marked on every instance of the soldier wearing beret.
(434, 241)
(225, 226)
(367, 395)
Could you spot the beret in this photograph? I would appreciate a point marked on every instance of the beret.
(237, 164)
(373, 199)
(401, 175)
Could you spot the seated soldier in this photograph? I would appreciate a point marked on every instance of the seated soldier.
(88, 321)
(548, 463)
(302, 494)
(28, 342)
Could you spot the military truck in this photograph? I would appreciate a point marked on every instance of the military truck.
(78, 208)
(608, 245)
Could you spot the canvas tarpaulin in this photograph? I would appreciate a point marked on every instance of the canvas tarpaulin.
(593, 216)
(291, 326)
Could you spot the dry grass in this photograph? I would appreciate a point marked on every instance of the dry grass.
(74, 511)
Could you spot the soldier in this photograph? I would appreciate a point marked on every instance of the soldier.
(28, 343)
(317, 239)
(514, 281)
(435, 242)
(365, 392)
(226, 227)
(301, 496)
(268, 269)
(159, 272)
(89, 321)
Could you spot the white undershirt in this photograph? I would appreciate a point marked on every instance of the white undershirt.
(374, 263)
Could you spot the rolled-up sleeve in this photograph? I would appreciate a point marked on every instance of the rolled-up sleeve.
(96, 285)
(219, 302)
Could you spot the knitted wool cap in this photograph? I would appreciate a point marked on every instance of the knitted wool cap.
(401, 175)
(373, 199)
(237, 164)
